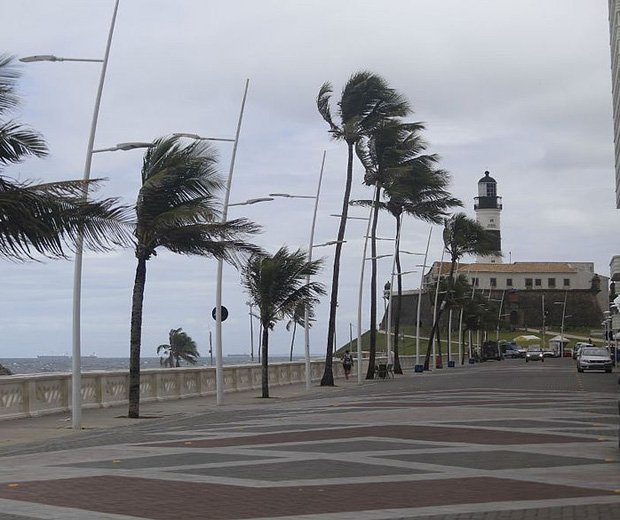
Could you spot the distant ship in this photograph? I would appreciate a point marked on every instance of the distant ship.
(64, 356)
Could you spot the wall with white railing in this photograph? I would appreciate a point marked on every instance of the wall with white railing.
(39, 394)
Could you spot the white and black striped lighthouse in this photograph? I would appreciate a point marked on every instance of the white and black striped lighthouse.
(488, 207)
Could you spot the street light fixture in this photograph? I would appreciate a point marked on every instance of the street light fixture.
(124, 147)
(51, 57)
(200, 138)
(289, 196)
(249, 202)
(76, 362)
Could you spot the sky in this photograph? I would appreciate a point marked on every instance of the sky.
(521, 89)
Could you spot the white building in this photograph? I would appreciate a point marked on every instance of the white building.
(614, 40)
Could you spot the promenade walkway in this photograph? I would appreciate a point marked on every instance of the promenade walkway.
(495, 441)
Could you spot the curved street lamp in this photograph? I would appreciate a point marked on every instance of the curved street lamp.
(76, 362)
(310, 247)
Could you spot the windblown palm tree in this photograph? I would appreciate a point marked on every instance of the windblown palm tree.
(180, 346)
(365, 102)
(46, 219)
(461, 236)
(278, 286)
(177, 209)
(411, 183)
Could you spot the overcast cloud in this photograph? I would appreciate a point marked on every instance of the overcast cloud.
(521, 89)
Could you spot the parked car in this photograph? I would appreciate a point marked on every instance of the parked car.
(512, 350)
(578, 346)
(534, 353)
(490, 350)
(594, 358)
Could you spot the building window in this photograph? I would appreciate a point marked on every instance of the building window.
(491, 189)
(491, 220)
(475, 281)
(508, 282)
(551, 283)
(538, 282)
(528, 283)
(493, 282)
(566, 282)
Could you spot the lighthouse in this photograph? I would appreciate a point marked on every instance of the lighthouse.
(488, 207)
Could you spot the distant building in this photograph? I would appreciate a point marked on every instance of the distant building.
(524, 286)
(488, 207)
(614, 40)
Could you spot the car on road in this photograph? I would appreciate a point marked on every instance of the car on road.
(594, 358)
(512, 350)
(534, 353)
(578, 347)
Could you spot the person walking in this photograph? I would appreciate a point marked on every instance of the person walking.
(347, 363)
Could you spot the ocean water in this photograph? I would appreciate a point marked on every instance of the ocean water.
(46, 364)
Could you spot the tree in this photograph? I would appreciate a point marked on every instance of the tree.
(461, 236)
(277, 285)
(180, 346)
(411, 183)
(46, 219)
(177, 209)
(365, 102)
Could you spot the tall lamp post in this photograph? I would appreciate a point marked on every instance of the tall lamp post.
(418, 367)
(563, 304)
(219, 367)
(310, 246)
(76, 379)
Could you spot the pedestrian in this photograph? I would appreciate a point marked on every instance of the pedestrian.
(347, 363)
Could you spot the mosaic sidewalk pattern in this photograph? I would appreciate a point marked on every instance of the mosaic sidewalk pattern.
(467, 454)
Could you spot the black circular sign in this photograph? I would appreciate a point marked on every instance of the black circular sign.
(224, 313)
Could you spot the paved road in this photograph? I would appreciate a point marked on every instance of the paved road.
(495, 441)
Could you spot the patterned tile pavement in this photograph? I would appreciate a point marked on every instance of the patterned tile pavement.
(453, 445)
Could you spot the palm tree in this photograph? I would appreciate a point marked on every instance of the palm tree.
(180, 346)
(277, 285)
(365, 102)
(461, 236)
(46, 219)
(411, 183)
(177, 210)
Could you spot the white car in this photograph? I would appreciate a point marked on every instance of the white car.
(594, 358)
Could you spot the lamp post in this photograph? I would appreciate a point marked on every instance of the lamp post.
(563, 304)
(219, 367)
(76, 362)
(418, 368)
(310, 246)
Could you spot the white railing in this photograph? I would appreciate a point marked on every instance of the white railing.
(31, 395)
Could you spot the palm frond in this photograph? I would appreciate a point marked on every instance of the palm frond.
(48, 220)
(18, 141)
(8, 79)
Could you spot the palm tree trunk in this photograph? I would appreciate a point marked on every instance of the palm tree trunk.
(135, 339)
(370, 374)
(399, 282)
(290, 357)
(265, 361)
(328, 374)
